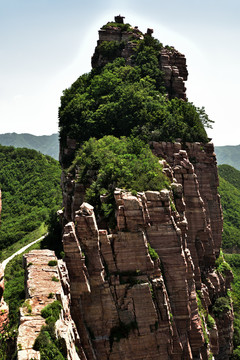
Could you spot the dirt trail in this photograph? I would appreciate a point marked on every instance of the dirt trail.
(5, 262)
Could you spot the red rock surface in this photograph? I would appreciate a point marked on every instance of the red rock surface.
(124, 304)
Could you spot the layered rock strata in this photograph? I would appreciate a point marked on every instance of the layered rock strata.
(41, 290)
(127, 305)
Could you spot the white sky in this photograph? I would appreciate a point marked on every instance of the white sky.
(48, 44)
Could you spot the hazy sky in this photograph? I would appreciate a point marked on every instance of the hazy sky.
(47, 44)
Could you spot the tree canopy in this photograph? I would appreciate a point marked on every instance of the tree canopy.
(107, 163)
(120, 99)
(30, 184)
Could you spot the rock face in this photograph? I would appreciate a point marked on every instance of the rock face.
(129, 301)
(39, 286)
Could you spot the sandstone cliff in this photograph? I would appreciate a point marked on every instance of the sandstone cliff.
(126, 304)
(149, 289)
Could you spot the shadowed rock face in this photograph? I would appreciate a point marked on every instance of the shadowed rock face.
(126, 304)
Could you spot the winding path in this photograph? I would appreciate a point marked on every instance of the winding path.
(5, 262)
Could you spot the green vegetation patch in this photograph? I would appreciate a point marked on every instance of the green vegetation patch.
(203, 316)
(234, 262)
(14, 295)
(230, 174)
(111, 49)
(110, 162)
(230, 201)
(152, 252)
(52, 310)
(121, 99)
(52, 263)
(122, 27)
(221, 265)
(221, 306)
(49, 346)
(30, 184)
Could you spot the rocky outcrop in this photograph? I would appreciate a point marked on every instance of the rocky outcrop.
(171, 62)
(129, 305)
(45, 284)
(126, 39)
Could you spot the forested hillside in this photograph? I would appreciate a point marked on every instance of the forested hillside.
(46, 144)
(229, 190)
(30, 184)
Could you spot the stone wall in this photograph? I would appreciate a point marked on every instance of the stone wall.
(41, 290)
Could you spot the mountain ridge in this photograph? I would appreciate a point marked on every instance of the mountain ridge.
(228, 154)
(46, 144)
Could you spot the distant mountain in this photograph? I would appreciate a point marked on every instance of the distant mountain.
(229, 154)
(46, 144)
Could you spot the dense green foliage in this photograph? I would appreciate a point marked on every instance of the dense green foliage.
(222, 265)
(14, 295)
(228, 155)
(119, 99)
(30, 184)
(221, 306)
(234, 262)
(102, 165)
(51, 311)
(152, 252)
(53, 241)
(230, 200)
(49, 346)
(230, 174)
(46, 144)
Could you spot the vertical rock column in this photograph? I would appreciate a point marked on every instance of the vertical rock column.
(205, 166)
(165, 238)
